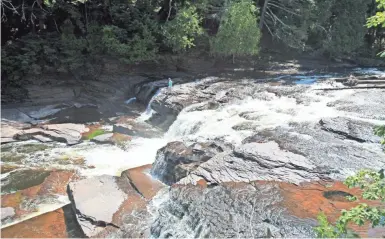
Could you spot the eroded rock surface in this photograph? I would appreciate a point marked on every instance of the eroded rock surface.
(176, 160)
(68, 133)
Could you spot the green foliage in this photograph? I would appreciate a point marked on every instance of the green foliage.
(95, 133)
(180, 33)
(32, 54)
(379, 18)
(324, 228)
(373, 186)
(380, 131)
(238, 33)
(347, 27)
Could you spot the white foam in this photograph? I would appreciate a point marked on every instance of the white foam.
(112, 160)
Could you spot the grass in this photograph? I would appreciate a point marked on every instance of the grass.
(95, 133)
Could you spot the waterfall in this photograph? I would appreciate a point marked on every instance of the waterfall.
(149, 111)
(129, 101)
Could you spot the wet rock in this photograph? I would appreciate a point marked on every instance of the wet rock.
(56, 224)
(244, 126)
(367, 104)
(326, 150)
(170, 102)
(142, 181)
(10, 128)
(23, 179)
(36, 193)
(103, 138)
(176, 160)
(7, 212)
(108, 206)
(144, 92)
(7, 168)
(92, 199)
(134, 128)
(209, 105)
(226, 211)
(68, 133)
(76, 113)
(54, 114)
(255, 161)
(255, 209)
(350, 129)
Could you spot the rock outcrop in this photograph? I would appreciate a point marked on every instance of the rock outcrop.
(176, 160)
(107, 206)
(257, 161)
(67, 133)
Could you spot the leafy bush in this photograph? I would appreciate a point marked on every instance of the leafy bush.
(238, 33)
(373, 186)
(180, 33)
(380, 131)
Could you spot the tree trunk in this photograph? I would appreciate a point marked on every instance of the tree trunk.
(262, 19)
(233, 58)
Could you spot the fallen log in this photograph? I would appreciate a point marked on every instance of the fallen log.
(357, 87)
(359, 78)
(371, 82)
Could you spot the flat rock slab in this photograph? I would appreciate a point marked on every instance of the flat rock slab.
(256, 161)
(98, 198)
(68, 133)
(116, 201)
(140, 178)
(43, 194)
(55, 224)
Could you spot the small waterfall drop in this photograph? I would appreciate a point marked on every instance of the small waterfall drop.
(149, 111)
(129, 101)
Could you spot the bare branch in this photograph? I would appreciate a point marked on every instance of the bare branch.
(283, 8)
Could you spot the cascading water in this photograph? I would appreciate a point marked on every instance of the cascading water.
(131, 100)
(230, 123)
(149, 111)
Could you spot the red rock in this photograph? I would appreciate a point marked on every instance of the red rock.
(55, 184)
(143, 182)
(48, 225)
(308, 200)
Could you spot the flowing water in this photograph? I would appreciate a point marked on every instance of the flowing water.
(230, 123)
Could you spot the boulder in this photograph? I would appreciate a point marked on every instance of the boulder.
(103, 139)
(107, 206)
(176, 160)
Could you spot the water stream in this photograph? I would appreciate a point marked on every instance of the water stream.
(230, 123)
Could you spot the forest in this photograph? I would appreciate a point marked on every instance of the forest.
(65, 35)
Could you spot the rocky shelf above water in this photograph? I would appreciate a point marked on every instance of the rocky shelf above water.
(239, 158)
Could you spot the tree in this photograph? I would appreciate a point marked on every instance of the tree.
(238, 33)
(378, 20)
(180, 33)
